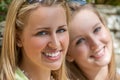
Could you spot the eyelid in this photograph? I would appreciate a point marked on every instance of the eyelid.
(63, 28)
(79, 41)
(97, 29)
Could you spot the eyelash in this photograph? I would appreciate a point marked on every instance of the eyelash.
(80, 41)
(97, 29)
(41, 33)
(61, 30)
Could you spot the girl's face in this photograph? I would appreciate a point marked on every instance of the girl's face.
(45, 38)
(90, 41)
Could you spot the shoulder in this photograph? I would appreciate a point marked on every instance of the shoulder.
(19, 75)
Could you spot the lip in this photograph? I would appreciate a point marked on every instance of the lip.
(99, 54)
(52, 55)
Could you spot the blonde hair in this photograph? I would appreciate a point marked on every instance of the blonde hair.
(10, 57)
(73, 69)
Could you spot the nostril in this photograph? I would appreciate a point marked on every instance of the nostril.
(91, 56)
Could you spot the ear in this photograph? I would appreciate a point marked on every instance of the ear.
(18, 41)
(19, 44)
(69, 58)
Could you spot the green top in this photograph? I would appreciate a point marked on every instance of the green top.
(19, 75)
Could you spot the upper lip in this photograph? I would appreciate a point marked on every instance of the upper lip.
(52, 51)
(97, 50)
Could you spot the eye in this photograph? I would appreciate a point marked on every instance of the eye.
(79, 41)
(41, 33)
(97, 29)
(61, 30)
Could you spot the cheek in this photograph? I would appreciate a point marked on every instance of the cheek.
(80, 55)
(107, 40)
(65, 40)
(34, 44)
(80, 52)
(106, 37)
(38, 43)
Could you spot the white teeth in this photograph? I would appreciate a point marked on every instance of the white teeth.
(52, 54)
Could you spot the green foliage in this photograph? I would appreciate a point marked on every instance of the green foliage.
(105, 2)
(115, 2)
(3, 9)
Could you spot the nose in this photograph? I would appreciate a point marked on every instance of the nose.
(94, 43)
(54, 42)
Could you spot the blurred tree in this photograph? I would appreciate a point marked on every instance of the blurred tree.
(109, 2)
(3, 8)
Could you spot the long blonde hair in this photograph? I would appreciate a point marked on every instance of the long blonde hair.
(74, 71)
(10, 57)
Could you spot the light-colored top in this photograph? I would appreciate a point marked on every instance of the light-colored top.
(118, 71)
(19, 75)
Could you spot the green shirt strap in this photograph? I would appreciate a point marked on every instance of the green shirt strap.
(19, 75)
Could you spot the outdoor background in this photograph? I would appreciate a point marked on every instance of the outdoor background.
(110, 9)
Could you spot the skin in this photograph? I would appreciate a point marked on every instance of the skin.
(45, 34)
(90, 45)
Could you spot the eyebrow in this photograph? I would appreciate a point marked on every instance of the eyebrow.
(49, 27)
(42, 28)
(75, 38)
(62, 26)
(96, 25)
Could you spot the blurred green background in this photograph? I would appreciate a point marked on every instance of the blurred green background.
(3, 8)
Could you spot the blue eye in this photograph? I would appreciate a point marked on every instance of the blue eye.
(79, 41)
(42, 33)
(61, 30)
(97, 29)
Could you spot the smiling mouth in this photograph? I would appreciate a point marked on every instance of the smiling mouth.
(52, 54)
(99, 54)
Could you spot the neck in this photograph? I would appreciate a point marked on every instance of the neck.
(97, 74)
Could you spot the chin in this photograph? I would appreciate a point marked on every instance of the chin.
(55, 67)
(103, 63)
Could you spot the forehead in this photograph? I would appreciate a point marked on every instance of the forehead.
(43, 14)
(84, 17)
(82, 22)
(44, 10)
